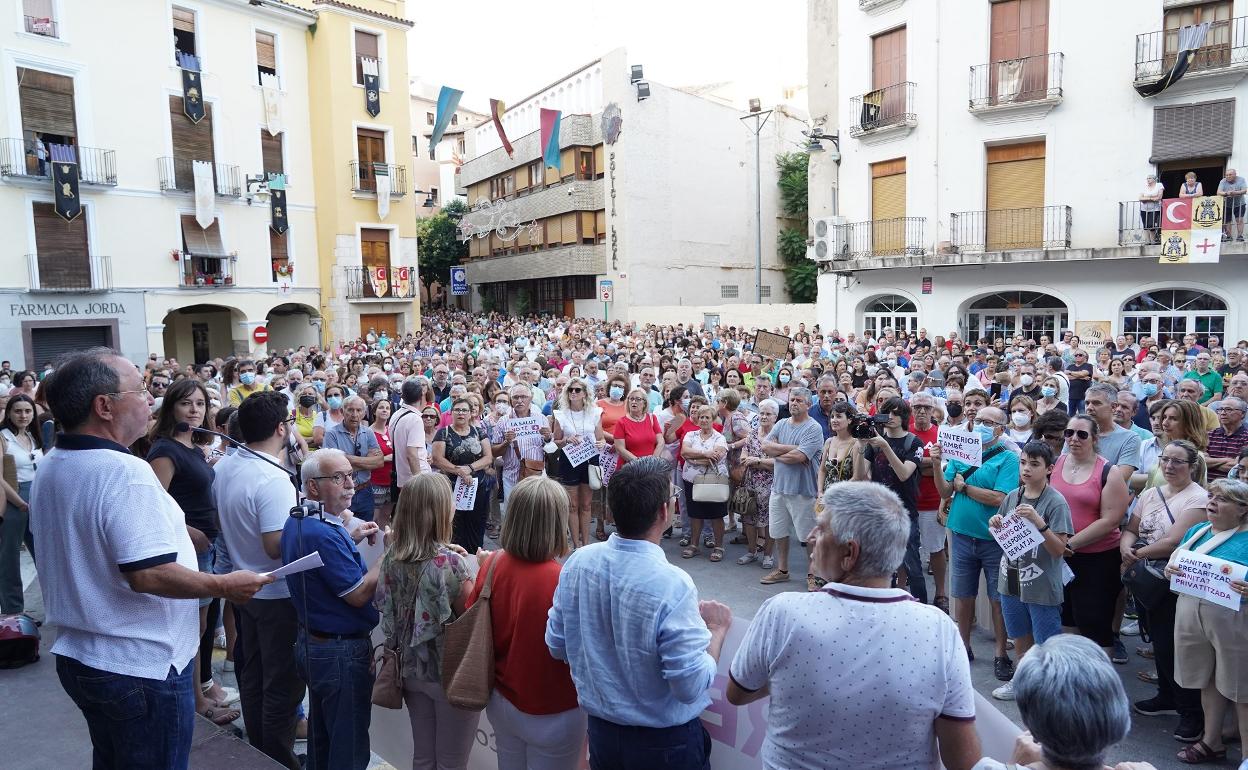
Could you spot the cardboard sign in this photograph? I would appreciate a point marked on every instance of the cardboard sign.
(610, 462)
(465, 494)
(1016, 536)
(526, 426)
(771, 345)
(1093, 335)
(1208, 578)
(578, 454)
(960, 445)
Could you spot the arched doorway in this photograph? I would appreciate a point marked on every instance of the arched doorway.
(291, 326)
(1171, 313)
(1008, 313)
(199, 333)
(890, 311)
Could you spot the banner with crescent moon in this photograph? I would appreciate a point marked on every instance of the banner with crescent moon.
(192, 87)
(379, 280)
(1191, 230)
(401, 281)
(65, 181)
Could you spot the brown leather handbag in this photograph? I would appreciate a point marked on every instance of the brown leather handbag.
(388, 686)
(468, 652)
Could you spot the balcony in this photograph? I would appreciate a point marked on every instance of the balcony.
(207, 271)
(1016, 89)
(44, 26)
(364, 178)
(177, 175)
(1220, 63)
(903, 236)
(360, 285)
(1045, 227)
(883, 114)
(78, 273)
(876, 7)
(95, 166)
(1133, 225)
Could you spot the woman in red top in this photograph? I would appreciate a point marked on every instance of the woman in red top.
(1097, 496)
(533, 709)
(381, 477)
(637, 433)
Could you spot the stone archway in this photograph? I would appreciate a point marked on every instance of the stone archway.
(292, 325)
(199, 333)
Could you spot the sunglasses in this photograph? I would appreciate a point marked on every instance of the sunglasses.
(428, 417)
(1083, 435)
(576, 390)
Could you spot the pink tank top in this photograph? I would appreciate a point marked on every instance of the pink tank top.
(1085, 503)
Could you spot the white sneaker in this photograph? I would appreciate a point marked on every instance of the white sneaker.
(749, 558)
(768, 562)
(1004, 692)
(219, 641)
(1130, 628)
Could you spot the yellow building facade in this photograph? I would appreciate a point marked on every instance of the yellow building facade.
(366, 236)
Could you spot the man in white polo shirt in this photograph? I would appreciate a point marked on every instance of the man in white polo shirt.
(119, 576)
(254, 499)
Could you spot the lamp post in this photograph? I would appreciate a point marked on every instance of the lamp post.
(759, 117)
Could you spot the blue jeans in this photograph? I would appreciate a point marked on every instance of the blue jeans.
(1039, 621)
(621, 747)
(362, 504)
(135, 723)
(340, 688)
(970, 556)
(914, 563)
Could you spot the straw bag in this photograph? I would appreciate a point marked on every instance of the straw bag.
(468, 652)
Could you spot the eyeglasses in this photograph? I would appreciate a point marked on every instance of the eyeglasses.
(160, 385)
(988, 423)
(124, 392)
(576, 390)
(1173, 461)
(338, 478)
(1221, 500)
(1082, 434)
(461, 411)
(917, 407)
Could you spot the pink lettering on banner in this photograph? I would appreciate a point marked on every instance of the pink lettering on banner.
(723, 721)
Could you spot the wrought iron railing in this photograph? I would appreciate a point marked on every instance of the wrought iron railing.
(883, 107)
(36, 25)
(366, 283)
(1043, 227)
(77, 272)
(207, 271)
(95, 166)
(883, 237)
(1226, 45)
(178, 175)
(1012, 81)
(364, 177)
(1137, 227)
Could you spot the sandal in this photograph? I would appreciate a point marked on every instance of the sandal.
(1199, 753)
(1145, 675)
(689, 553)
(717, 554)
(223, 717)
(684, 541)
(1144, 652)
(941, 603)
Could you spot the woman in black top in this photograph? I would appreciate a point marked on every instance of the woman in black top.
(462, 451)
(180, 461)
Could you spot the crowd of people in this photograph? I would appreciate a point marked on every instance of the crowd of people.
(574, 448)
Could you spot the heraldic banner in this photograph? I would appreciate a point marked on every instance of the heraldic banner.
(1191, 230)
(65, 181)
(192, 88)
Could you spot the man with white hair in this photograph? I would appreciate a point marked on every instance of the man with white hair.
(1229, 439)
(876, 712)
(356, 439)
(1194, 391)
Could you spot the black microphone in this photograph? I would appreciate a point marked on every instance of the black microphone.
(183, 427)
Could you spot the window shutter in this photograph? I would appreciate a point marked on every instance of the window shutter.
(47, 102)
(51, 343)
(587, 225)
(271, 152)
(365, 44)
(600, 166)
(191, 141)
(554, 230)
(569, 228)
(184, 20)
(600, 223)
(1193, 131)
(522, 178)
(200, 242)
(277, 247)
(62, 248)
(266, 50)
(567, 162)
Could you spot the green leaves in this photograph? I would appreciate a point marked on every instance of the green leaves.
(438, 247)
(800, 274)
(792, 167)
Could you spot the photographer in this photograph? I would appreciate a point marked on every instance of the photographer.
(892, 459)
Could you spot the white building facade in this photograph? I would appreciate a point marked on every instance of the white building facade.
(992, 156)
(135, 270)
(658, 199)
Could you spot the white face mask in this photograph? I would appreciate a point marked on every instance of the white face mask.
(1020, 419)
(1026, 380)
(501, 409)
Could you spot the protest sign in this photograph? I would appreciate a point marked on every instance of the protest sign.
(960, 445)
(770, 345)
(1208, 578)
(525, 426)
(465, 494)
(1016, 536)
(610, 462)
(580, 453)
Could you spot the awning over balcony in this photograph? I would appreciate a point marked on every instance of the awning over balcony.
(1193, 131)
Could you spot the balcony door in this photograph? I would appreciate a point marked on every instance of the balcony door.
(63, 256)
(1015, 197)
(888, 207)
(370, 148)
(375, 256)
(191, 142)
(47, 110)
(1216, 52)
(888, 68)
(1018, 44)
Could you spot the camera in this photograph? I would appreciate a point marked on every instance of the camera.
(307, 508)
(865, 425)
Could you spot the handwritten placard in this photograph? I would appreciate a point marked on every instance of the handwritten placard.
(1208, 578)
(465, 494)
(525, 426)
(610, 462)
(1016, 536)
(770, 345)
(581, 453)
(959, 445)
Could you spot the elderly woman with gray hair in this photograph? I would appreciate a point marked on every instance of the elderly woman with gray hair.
(859, 674)
(1073, 706)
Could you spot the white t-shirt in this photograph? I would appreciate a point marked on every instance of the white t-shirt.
(25, 459)
(857, 678)
(253, 498)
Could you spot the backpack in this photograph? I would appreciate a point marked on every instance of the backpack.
(19, 641)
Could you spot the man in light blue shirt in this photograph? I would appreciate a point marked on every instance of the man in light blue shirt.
(642, 649)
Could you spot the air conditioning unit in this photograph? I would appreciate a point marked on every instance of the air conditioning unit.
(830, 239)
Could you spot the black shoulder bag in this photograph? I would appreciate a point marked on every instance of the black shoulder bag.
(1146, 579)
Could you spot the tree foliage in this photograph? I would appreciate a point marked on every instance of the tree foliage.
(800, 274)
(792, 167)
(438, 247)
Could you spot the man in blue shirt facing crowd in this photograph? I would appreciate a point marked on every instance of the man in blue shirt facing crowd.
(358, 442)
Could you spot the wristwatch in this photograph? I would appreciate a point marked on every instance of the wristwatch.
(1045, 529)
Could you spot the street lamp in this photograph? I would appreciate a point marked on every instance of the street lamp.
(815, 135)
(759, 116)
(428, 198)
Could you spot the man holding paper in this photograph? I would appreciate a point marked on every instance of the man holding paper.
(334, 604)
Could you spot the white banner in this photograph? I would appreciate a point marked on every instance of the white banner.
(465, 494)
(1016, 536)
(578, 454)
(525, 426)
(959, 445)
(205, 193)
(271, 97)
(1208, 578)
(383, 193)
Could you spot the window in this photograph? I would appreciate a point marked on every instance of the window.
(266, 55)
(582, 287)
(371, 149)
(1216, 52)
(890, 312)
(588, 225)
(584, 164)
(537, 174)
(61, 247)
(455, 119)
(416, 145)
(728, 291)
(1029, 313)
(375, 254)
(40, 17)
(184, 32)
(433, 194)
(47, 110)
(502, 186)
(459, 145)
(1172, 313)
(191, 142)
(600, 225)
(366, 47)
(429, 118)
(204, 261)
(764, 291)
(271, 153)
(279, 255)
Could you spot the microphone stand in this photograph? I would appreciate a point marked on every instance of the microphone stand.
(237, 445)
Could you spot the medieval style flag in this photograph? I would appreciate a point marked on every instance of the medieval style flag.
(272, 100)
(448, 102)
(205, 192)
(192, 88)
(279, 221)
(372, 86)
(381, 178)
(401, 282)
(497, 109)
(65, 181)
(379, 280)
(550, 137)
(1191, 230)
(1190, 39)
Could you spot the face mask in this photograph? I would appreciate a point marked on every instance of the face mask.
(382, 394)
(1026, 380)
(684, 404)
(319, 385)
(955, 410)
(1149, 389)
(335, 402)
(617, 392)
(247, 378)
(985, 433)
(501, 409)
(784, 379)
(307, 402)
(387, 367)
(1020, 419)
(1048, 392)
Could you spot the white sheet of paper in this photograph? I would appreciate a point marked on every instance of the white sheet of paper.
(959, 445)
(526, 426)
(581, 453)
(465, 494)
(302, 564)
(1016, 536)
(1208, 578)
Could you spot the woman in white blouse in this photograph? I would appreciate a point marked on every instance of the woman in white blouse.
(21, 443)
(577, 421)
(705, 451)
(1150, 208)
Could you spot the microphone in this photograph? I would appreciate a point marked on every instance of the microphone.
(183, 427)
